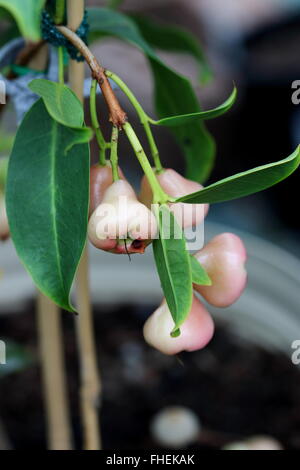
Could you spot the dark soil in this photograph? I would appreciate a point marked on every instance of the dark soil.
(236, 390)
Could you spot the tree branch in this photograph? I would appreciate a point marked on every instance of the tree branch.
(117, 115)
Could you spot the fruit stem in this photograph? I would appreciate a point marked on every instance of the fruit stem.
(114, 153)
(143, 117)
(159, 196)
(103, 145)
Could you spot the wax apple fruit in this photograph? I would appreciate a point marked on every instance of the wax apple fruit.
(121, 224)
(224, 259)
(196, 331)
(175, 185)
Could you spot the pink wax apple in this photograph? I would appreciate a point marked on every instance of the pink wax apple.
(224, 259)
(196, 331)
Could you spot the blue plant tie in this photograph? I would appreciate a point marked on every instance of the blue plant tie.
(51, 34)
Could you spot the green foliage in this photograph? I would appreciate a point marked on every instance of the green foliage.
(173, 39)
(27, 14)
(47, 197)
(175, 121)
(174, 267)
(246, 183)
(199, 275)
(174, 94)
(61, 102)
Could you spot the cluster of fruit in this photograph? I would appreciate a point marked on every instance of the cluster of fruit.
(132, 230)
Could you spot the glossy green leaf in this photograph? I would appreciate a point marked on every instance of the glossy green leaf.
(27, 14)
(47, 197)
(199, 275)
(174, 94)
(246, 183)
(61, 102)
(174, 121)
(173, 266)
(173, 39)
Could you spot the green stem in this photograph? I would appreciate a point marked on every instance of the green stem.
(61, 67)
(159, 196)
(114, 153)
(143, 117)
(60, 11)
(103, 145)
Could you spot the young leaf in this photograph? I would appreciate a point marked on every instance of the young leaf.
(173, 39)
(246, 183)
(173, 121)
(27, 14)
(47, 197)
(173, 266)
(174, 94)
(61, 102)
(199, 275)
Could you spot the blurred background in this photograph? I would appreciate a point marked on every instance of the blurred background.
(244, 383)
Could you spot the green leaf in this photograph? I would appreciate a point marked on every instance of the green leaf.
(202, 115)
(173, 39)
(61, 102)
(18, 358)
(174, 267)
(199, 275)
(47, 198)
(27, 14)
(174, 94)
(246, 183)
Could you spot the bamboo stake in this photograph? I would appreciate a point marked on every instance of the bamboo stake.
(53, 370)
(90, 380)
